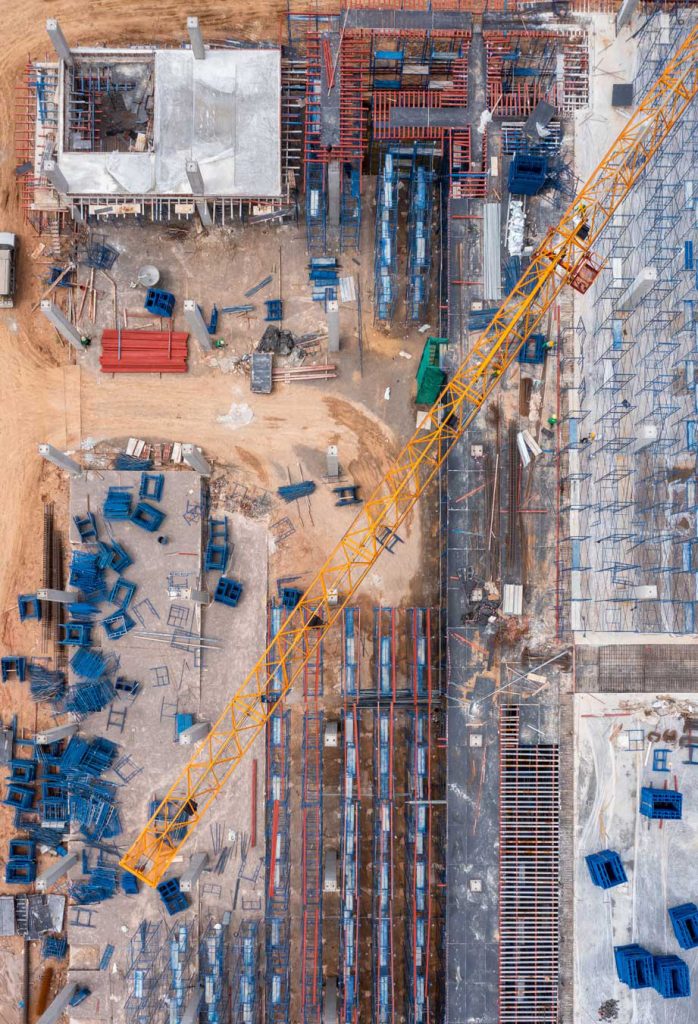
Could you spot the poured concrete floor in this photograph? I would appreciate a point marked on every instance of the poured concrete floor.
(659, 860)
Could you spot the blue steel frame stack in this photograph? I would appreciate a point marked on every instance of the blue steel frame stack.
(316, 207)
(245, 1006)
(350, 207)
(385, 287)
(278, 823)
(311, 839)
(215, 974)
(419, 239)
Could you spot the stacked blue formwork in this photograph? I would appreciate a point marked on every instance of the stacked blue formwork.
(276, 617)
(245, 1008)
(383, 980)
(385, 262)
(350, 652)
(417, 810)
(316, 207)
(350, 207)
(662, 804)
(419, 229)
(684, 921)
(635, 966)
(278, 841)
(215, 974)
(606, 869)
(383, 644)
(349, 870)
(671, 977)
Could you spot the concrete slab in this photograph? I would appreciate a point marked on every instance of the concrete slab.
(614, 760)
(174, 678)
(224, 112)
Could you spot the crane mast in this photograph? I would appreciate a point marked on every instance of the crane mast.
(565, 256)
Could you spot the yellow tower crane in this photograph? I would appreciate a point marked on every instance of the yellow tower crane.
(565, 256)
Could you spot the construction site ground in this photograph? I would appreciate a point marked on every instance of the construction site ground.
(254, 441)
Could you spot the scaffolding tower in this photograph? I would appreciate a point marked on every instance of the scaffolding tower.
(278, 842)
(245, 1004)
(385, 262)
(350, 862)
(419, 229)
(382, 914)
(418, 866)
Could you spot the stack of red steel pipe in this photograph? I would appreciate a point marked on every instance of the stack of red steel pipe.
(125, 351)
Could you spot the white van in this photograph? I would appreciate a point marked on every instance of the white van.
(8, 254)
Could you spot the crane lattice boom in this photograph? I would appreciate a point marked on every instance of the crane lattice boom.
(565, 256)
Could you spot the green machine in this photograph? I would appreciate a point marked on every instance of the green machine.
(430, 377)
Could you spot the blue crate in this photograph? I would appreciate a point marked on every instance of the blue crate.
(228, 591)
(275, 309)
(635, 966)
(147, 516)
(122, 592)
(29, 607)
(533, 351)
(19, 796)
(671, 977)
(86, 526)
(20, 872)
(54, 947)
(22, 849)
(159, 302)
(183, 720)
(12, 663)
(662, 804)
(527, 174)
(118, 624)
(172, 897)
(684, 921)
(290, 597)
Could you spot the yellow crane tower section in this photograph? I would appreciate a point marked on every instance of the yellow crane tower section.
(565, 256)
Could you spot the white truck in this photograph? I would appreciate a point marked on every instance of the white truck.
(8, 259)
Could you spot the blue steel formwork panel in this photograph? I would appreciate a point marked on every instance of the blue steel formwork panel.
(215, 974)
(382, 911)
(350, 865)
(312, 867)
(350, 208)
(316, 207)
(350, 652)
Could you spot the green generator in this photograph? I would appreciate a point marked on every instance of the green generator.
(430, 377)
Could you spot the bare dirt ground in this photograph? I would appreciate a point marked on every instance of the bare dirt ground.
(46, 398)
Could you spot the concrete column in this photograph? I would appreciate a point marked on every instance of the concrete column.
(194, 734)
(332, 325)
(628, 8)
(193, 457)
(52, 1014)
(59, 41)
(333, 192)
(197, 43)
(197, 324)
(635, 292)
(60, 867)
(56, 176)
(191, 876)
(59, 458)
(61, 323)
(200, 597)
(59, 732)
(196, 184)
(59, 596)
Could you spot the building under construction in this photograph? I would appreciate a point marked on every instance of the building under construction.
(405, 811)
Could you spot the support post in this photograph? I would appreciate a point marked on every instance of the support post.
(54, 1011)
(196, 184)
(628, 8)
(58, 458)
(197, 42)
(332, 325)
(194, 733)
(60, 43)
(193, 457)
(197, 325)
(333, 192)
(59, 732)
(56, 176)
(62, 324)
(60, 867)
